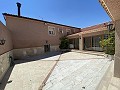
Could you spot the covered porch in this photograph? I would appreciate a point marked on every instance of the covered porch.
(88, 39)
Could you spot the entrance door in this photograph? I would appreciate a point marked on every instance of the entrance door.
(47, 48)
(76, 43)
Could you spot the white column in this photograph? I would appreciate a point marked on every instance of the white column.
(80, 43)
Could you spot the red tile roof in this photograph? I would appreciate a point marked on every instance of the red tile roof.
(94, 27)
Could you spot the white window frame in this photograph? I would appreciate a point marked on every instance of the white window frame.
(52, 29)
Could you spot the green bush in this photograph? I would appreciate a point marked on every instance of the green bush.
(108, 44)
(64, 44)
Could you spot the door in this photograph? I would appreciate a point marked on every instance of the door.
(47, 48)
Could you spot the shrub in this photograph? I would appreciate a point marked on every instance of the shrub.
(64, 44)
(108, 44)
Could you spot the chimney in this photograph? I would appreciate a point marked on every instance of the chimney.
(19, 6)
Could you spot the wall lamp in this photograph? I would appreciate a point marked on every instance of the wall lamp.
(2, 41)
(110, 27)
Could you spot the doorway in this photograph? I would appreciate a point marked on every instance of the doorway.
(47, 48)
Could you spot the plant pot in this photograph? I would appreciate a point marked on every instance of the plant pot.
(65, 50)
(110, 57)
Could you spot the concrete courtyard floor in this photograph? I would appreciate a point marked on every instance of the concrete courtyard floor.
(69, 71)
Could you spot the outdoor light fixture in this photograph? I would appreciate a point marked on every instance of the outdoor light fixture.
(110, 27)
(2, 41)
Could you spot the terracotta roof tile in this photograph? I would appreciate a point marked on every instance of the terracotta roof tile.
(94, 27)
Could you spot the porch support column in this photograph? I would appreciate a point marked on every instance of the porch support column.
(117, 49)
(80, 42)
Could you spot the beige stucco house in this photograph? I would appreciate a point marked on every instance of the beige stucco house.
(33, 37)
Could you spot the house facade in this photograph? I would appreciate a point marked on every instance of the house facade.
(33, 37)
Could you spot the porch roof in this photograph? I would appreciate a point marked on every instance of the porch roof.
(89, 30)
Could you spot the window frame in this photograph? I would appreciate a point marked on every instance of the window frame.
(60, 30)
(52, 30)
(68, 30)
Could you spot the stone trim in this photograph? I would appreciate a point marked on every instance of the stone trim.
(28, 52)
(4, 63)
(6, 52)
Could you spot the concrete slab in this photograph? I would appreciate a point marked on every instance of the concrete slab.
(29, 76)
(74, 71)
(77, 71)
(79, 56)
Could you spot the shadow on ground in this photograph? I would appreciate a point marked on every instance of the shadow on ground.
(38, 57)
(24, 60)
(5, 78)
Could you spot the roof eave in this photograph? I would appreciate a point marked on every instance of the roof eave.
(106, 9)
(6, 14)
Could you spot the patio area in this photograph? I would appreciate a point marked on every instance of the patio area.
(77, 71)
(55, 71)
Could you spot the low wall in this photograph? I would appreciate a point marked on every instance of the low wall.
(27, 52)
(4, 63)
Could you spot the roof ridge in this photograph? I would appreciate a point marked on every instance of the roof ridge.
(39, 20)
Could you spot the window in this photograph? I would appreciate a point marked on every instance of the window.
(72, 31)
(51, 30)
(60, 30)
(68, 31)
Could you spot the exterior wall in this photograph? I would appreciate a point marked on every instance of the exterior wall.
(117, 50)
(28, 52)
(4, 63)
(5, 50)
(29, 33)
(4, 33)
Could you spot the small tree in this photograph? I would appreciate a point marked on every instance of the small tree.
(64, 44)
(108, 44)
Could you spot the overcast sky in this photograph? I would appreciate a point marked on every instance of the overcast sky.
(78, 13)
